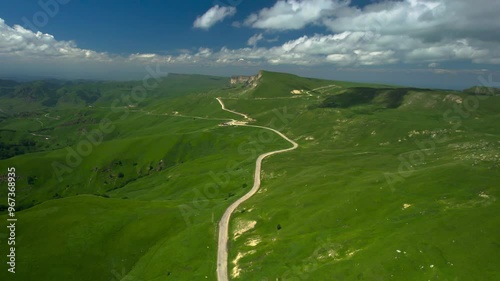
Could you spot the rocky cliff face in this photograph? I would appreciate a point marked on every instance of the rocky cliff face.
(249, 81)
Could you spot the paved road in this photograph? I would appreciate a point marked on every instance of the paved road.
(222, 271)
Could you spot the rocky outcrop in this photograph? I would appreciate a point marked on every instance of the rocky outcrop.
(249, 81)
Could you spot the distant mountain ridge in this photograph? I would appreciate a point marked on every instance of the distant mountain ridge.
(264, 84)
(481, 90)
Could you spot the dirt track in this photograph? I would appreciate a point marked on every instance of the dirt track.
(222, 270)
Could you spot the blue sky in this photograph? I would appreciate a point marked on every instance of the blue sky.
(426, 43)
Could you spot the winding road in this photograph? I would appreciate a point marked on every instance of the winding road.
(222, 262)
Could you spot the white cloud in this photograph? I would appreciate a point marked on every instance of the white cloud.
(348, 48)
(429, 20)
(386, 32)
(252, 41)
(214, 15)
(293, 14)
(18, 41)
(415, 32)
(362, 48)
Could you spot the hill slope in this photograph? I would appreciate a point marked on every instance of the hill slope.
(388, 183)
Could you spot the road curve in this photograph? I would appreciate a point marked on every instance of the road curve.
(222, 261)
(229, 110)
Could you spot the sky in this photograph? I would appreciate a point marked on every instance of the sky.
(450, 44)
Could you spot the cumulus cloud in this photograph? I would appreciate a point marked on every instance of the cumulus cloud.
(416, 32)
(348, 48)
(362, 48)
(18, 41)
(428, 20)
(214, 15)
(293, 14)
(386, 32)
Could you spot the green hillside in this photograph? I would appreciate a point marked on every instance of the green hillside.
(388, 183)
(275, 84)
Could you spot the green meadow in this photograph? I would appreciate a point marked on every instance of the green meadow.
(388, 182)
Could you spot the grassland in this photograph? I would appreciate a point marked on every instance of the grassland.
(394, 184)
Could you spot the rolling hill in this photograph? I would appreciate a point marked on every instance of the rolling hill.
(388, 182)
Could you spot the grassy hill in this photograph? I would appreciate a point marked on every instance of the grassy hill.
(389, 183)
(275, 84)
